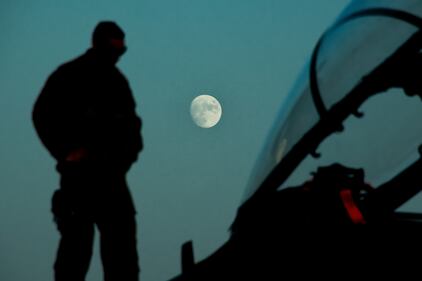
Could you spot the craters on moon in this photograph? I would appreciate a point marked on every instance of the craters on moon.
(206, 111)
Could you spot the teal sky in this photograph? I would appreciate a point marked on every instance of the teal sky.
(189, 181)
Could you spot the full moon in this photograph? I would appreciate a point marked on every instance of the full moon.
(205, 111)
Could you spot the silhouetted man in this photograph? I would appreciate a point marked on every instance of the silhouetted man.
(85, 116)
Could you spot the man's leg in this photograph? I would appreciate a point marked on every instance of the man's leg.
(76, 243)
(119, 247)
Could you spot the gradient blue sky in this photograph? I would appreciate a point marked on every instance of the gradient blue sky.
(188, 181)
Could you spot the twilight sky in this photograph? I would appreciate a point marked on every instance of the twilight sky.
(189, 181)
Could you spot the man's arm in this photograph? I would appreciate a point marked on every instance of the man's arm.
(54, 116)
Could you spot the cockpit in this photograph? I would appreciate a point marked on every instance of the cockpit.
(373, 47)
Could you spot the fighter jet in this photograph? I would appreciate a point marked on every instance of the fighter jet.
(335, 187)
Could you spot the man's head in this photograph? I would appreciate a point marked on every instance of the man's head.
(109, 40)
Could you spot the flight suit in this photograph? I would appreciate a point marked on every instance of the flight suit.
(87, 105)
